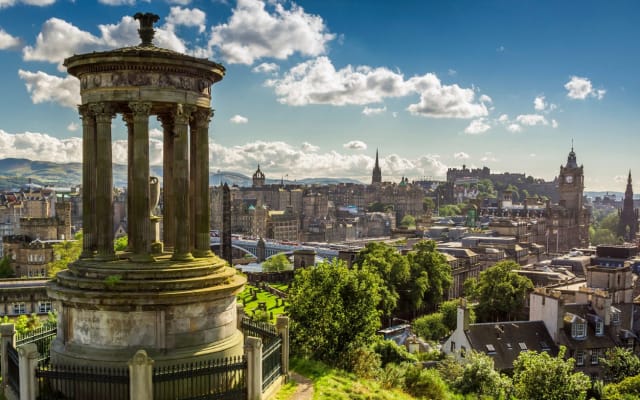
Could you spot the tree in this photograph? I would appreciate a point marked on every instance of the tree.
(619, 363)
(543, 377)
(426, 258)
(5, 268)
(449, 210)
(408, 221)
(480, 378)
(392, 268)
(276, 263)
(500, 292)
(430, 327)
(333, 309)
(425, 383)
(64, 254)
(626, 389)
(121, 243)
(428, 204)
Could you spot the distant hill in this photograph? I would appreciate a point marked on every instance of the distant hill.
(16, 173)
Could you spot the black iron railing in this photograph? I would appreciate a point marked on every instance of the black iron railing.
(13, 369)
(223, 379)
(42, 337)
(263, 330)
(82, 382)
(271, 363)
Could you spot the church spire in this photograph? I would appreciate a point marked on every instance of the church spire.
(628, 225)
(376, 177)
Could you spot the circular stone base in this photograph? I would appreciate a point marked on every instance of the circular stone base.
(83, 355)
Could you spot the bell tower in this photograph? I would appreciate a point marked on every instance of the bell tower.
(571, 186)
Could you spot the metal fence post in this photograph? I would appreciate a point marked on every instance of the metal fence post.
(140, 376)
(282, 325)
(7, 336)
(29, 355)
(253, 351)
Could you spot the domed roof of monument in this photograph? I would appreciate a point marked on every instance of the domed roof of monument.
(145, 50)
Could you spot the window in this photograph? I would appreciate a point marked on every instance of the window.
(453, 346)
(615, 317)
(19, 308)
(578, 330)
(579, 356)
(44, 307)
(599, 327)
(523, 346)
(595, 356)
(490, 349)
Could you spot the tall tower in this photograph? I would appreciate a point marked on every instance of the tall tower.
(377, 173)
(258, 178)
(628, 225)
(571, 187)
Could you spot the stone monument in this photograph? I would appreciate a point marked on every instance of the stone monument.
(175, 299)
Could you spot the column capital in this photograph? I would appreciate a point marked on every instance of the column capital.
(85, 111)
(166, 120)
(182, 113)
(202, 117)
(127, 118)
(140, 108)
(103, 111)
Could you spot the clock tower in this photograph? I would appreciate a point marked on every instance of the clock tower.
(571, 187)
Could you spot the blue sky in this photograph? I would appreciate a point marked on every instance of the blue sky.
(314, 87)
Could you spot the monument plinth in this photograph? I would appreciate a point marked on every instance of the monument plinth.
(174, 299)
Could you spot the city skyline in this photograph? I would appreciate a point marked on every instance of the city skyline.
(317, 87)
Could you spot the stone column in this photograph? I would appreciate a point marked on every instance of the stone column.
(182, 249)
(239, 315)
(7, 337)
(282, 325)
(104, 181)
(201, 182)
(168, 211)
(139, 215)
(128, 119)
(28, 362)
(88, 182)
(140, 376)
(253, 352)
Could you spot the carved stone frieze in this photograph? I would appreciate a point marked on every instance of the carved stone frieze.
(138, 78)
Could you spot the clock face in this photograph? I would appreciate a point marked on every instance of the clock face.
(568, 178)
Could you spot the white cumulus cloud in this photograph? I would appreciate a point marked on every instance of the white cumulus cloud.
(373, 110)
(532, 119)
(253, 32)
(179, 16)
(73, 127)
(477, 126)
(239, 119)
(40, 146)
(461, 155)
(355, 145)
(514, 128)
(8, 42)
(317, 81)
(579, 88)
(39, 3)
(266, 68)
(48, 88)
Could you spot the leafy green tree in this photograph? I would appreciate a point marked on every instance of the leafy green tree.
(391, 352)
(449, 210)
(376, 207)
(333, 309)
(480, 378)
(430, 326)
(408, 221)
(428, 204)
(426, 258)
(619, 363)
(602, 236)
(276, 263)
(425, 383)
(626, 389)
(121, 243)
(500, 291)
(610, 222)
(5, 268)
(392, 268)
(543, 377)
(64, 254)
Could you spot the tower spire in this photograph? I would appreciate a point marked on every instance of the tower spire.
(376, 177)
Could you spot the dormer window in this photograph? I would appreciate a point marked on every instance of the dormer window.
(599, 327)
(579, 329)
(615, 316)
